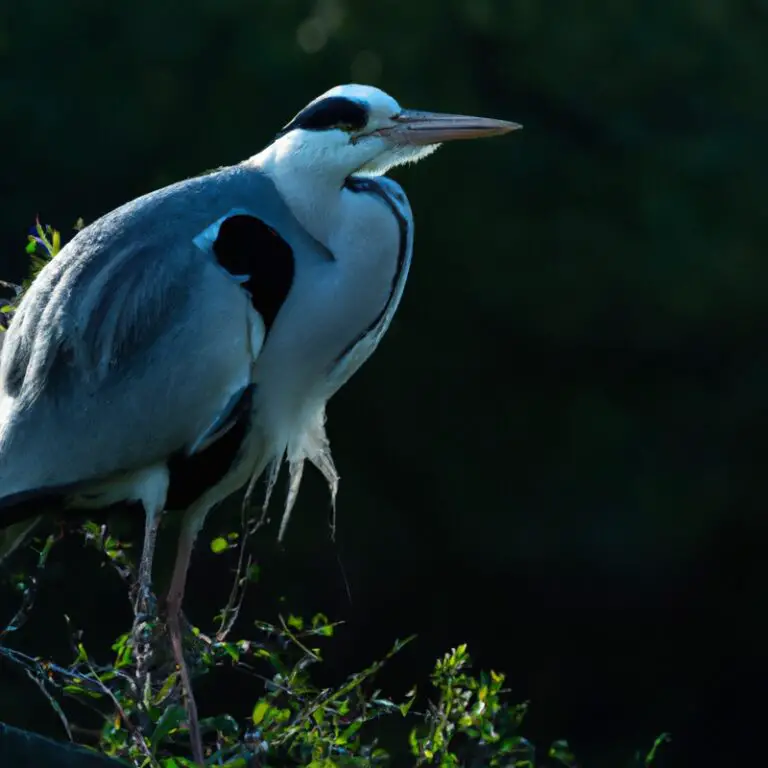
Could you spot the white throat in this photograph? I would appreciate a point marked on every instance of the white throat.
(310, 184)
(309, 170)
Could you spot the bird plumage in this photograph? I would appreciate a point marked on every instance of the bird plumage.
(267, 283)
(132, 343)
(182, 344)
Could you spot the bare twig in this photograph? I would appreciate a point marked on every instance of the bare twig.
(193, 723)
(240, 583)
(237, 594)
(136, 734)
(296, 640)
(30, 592)
(55, 704)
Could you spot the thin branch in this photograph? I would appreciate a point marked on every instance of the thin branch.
(30, 593)
(55, 704)
(136, 735)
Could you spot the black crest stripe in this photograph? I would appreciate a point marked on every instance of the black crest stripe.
(332, 112)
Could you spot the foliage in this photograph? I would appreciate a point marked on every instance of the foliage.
(468, 720)
(292, 722)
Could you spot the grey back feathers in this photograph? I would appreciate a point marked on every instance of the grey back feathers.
(137, 342)
(129, 268)
(94, 337)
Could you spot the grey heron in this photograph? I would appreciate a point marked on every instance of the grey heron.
(188, 342)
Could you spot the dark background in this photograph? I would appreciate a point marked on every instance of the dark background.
(558, 453)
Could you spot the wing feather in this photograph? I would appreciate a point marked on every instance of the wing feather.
(126, 349)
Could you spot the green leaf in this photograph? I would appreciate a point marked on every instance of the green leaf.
(219, 545)
(165, 691)
(411, 697)
(296, 622)
(230, 649)
(651, 756)
(561, 752)
(226, 725)
(259, 711)
(168, 722)
(349, 733)
(81, 654)
(80, 690)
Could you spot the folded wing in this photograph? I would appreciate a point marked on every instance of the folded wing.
(130, 347)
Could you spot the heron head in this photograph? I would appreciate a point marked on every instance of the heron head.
(359, 129)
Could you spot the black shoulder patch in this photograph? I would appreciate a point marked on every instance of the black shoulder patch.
(246, 246)
(333, 112)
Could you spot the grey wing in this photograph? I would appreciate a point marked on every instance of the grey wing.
(121, 354)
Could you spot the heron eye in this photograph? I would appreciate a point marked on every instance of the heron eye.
(348, 127)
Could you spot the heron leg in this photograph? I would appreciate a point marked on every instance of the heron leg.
(191, 525)
(144, 605)
(152, 487)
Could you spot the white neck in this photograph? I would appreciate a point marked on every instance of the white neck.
(311, 187)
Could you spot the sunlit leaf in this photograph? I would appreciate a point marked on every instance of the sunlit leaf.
(259, 711)
(296, 622)
(82, 691)
(166, 689)
(230, 649)
(219, 545)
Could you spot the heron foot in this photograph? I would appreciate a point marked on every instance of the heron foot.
(144, 632)
(144, 604)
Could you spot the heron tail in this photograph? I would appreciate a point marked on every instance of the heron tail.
(313, 446)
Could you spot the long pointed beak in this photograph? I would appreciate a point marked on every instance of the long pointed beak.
(420, 128)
